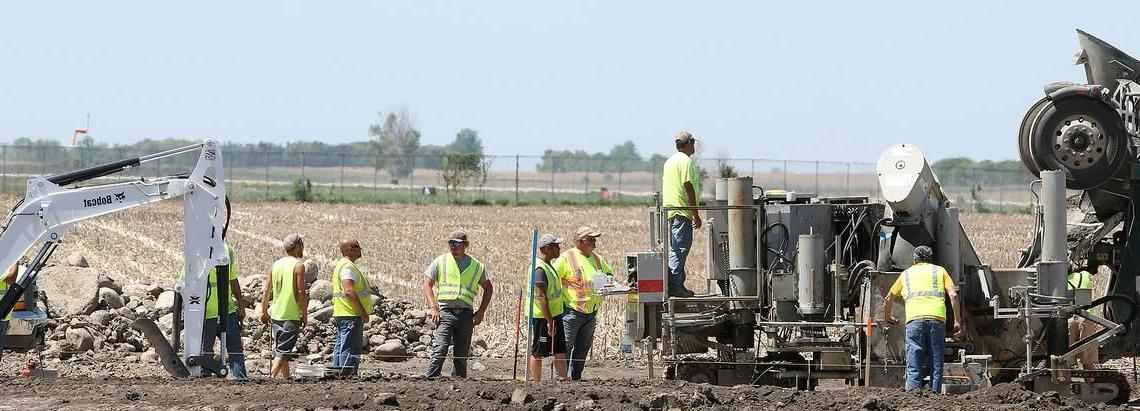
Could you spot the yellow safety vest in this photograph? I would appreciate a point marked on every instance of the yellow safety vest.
(577, 274)
(1082, 280)
(212, 293)
(553, 293)
(451, 284)
(924, 292)
(284, 306)
(4, 288)
(342, 306)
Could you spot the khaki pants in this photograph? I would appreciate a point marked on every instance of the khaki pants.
(1079, 328)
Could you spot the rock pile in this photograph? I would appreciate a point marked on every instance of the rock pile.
(91, 314)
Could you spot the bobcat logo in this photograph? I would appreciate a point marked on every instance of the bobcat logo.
(195, 299)
(120, 196)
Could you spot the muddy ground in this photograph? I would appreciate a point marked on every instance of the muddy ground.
(109, 385)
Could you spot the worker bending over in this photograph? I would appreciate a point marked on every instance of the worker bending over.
(1079, 327)
(924, 288)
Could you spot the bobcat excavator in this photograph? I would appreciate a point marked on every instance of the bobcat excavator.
(53, 204)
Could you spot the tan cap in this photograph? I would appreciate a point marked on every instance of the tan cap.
(291, 241)
(458, 235)
(684, 137)
(586, 231)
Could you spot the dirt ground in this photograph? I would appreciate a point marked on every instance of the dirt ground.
(400, 386)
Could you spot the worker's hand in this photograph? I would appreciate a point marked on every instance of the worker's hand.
(435, 314)
(957, 330)
(264, 318)
(696, 220)
(478, 317)
(364, 318)
(890, 319)
(551, 329)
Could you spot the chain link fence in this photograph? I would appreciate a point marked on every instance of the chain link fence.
(506, 179)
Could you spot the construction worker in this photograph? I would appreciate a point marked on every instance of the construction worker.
(924, 288)
(235, 356)
(577, 268)
(1079, 327)
(545, 310)
(681, 187)
(8, 280)
(352, 303)
(450, 284)
(285, 286)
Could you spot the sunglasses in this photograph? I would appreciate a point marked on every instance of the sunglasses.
(454, 244)
(590, 239)
(355, 247)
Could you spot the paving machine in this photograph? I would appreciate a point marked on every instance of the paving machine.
(53, 204)
(797, 281)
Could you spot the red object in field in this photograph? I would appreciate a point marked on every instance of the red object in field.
(76, 133)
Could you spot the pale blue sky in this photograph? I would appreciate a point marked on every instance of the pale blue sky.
(784, 80)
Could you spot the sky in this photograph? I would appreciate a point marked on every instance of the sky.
(835, 81)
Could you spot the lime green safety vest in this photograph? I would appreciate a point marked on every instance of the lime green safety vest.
(924, 292)
(342, 306)
(212, 294)
(451, 284)
(553, 293)
(4, 288)
(285, 307)
(1081, 280)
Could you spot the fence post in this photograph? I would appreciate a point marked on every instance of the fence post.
(586, 180)
(267, 176)
(621, 170)
(516, 180)
(412, 177)
(553, 166)
(817, 178)
(786, 175)
(848, 179)
(342, 159)
(302, 167)
(1001, 192)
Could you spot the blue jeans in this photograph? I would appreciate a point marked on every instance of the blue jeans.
(578, 328)
(236, 357)
(680, 241)
(925, 351)
(349, 342)
(454, 330)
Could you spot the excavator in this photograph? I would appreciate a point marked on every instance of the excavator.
(52, 204)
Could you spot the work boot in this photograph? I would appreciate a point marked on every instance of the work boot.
(681, 292)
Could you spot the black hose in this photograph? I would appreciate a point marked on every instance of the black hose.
(783, 246)
(875, 232)
(1131, 304)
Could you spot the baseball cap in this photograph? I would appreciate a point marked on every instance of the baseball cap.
(291, 241)
(548, 239)
(458, 235)
(684, 137)
(923, 253)
(586, 231)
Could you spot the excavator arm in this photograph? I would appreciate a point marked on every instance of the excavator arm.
(49, 208)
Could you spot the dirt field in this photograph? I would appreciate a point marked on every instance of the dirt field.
(144, 246)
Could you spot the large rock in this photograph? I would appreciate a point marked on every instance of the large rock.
(312, 270)
(71, 290)
(321, 290)
(321, 316)
(101, 317)
(136, 290)
(110, 298)
(77, 259)
(79, 339)
(108, 282)
(165, 301)
(392, 351)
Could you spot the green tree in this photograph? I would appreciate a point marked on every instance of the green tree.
(466, 141)
(396, 140)
(462, 170)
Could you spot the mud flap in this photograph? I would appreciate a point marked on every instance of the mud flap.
(166, 353)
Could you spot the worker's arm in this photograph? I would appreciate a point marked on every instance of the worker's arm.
(691, 196)
(887, 303)
(350, 287)
(265, 298)
(485, 304)
(235, 290)
(429, 295)
(543, 301)
(952, 292)
(299, 294)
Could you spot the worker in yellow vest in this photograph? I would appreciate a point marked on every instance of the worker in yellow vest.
(577, 268)
(451, 282)
(9, 278)
(1079, 327)
(923, 288)
(545, 310)
(352, 303)
(285, 287)
(235, 314)
(681, 187)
